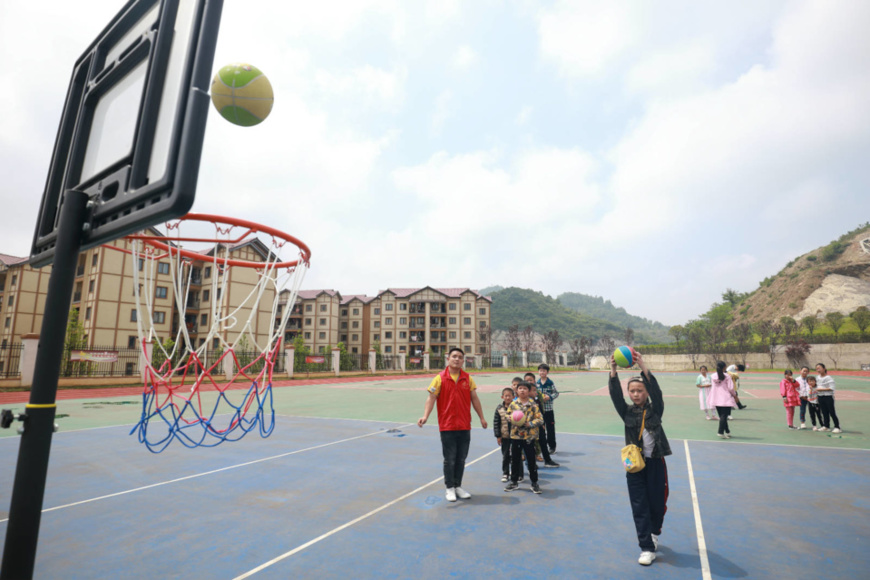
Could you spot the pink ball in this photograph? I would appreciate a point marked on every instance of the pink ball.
(518, 416)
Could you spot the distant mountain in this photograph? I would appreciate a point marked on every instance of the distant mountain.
(544, 313)
(490, 290)
(598, 307)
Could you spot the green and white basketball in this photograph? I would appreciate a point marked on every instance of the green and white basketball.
(242, 94)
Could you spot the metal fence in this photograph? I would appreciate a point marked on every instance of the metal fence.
(10, 360)
(311, 363)
(354, 362)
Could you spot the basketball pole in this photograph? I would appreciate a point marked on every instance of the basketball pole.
(28, 490)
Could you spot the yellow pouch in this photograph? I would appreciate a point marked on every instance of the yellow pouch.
(632, 455)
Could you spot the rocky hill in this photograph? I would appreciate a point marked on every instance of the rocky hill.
(833, 278)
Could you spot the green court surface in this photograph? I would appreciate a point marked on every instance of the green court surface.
(583, 407)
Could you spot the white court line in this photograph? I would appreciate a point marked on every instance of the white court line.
(194, 476)
(702, 544)
(298, 549)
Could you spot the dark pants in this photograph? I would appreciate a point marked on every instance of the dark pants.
(826, 406)
(542, 440)
(723, 413)
(518, 447)
(454, 447)
(648, 492)
(815, 412)
(550, 424)
(505, 456)
(804, 404)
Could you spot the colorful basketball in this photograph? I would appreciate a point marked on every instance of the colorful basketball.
(242, 94)
(623, 356)
(518, 417)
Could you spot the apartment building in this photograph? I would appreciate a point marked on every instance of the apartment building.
(409, 320)
(104, 296)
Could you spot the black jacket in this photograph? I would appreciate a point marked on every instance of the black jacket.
(632, 415)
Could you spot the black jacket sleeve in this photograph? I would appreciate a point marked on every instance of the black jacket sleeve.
(616, 396)
(496, 423)
(655, 393)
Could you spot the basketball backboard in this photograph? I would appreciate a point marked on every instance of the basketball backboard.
(131, 132)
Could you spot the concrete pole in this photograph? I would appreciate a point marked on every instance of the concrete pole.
(373, 360)
(504, 361)
(402, 356)
(543, 360)
(229, 367)
(336, 360)
(289, 360)
(525, 358)
(426, 360)
(27, 363)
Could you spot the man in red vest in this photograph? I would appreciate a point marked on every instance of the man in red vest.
(455, 392)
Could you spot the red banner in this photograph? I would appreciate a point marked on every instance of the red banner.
(416, 360)
(97, 356)
(315, 359)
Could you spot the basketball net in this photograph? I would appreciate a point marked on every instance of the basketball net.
(190, 390)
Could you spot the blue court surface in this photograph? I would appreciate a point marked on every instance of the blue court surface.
(338, 498)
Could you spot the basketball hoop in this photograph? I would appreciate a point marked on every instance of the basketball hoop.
(218, 327)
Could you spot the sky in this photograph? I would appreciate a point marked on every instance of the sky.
(654, 154)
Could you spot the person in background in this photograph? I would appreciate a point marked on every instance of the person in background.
(825, 390)
(788, 389)
(703, 384)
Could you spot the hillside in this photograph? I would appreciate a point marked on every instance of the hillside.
(835, 277)
(598, 307)
(527, 307)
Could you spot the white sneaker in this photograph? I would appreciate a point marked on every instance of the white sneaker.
(646, 558)
(803, 425)
(823, 429)
(450, 494)
(709, 418)
(836, 430)
(655, 540)
(504, 478)
(461, 493)
(730, 417)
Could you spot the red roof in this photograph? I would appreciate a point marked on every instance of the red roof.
(348, 298)
(448, 292)
(310, 294)
(11, 260)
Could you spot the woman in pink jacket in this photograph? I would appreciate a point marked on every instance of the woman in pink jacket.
(721, 396)
(788, 389)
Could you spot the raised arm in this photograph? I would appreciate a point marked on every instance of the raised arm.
(616, 390)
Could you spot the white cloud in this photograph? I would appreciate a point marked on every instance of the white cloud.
(443, 111)
(673, 71)
(524, 115)
(465, 57)
(582, 38)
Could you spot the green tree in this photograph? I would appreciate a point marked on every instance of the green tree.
(810, 323)
(733, 297)
(861, 318)
(717, 320)
(835, 320)
(73, 340)
(789, 325)
(677, 331)
(742, 334)
(696, 335)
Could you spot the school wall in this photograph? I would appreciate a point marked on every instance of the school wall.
(848, 356)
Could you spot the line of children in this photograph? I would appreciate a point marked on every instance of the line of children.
(522, 436)
(501, 427)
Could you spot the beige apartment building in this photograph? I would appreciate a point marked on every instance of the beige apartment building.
(409, 320)
(104, 296)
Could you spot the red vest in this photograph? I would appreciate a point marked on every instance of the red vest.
(454, 402)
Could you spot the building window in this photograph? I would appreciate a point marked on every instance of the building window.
(401, 349)
(161, 292)
(403, 306)
(482, 324)
(201, 341)
(388, 335)
(354, 337)
(403, 335)
(354, 350)
(216, 343)
(344, 325)
(323, 307)
(452, 334)
(14, 280)
(307, 322)
(356, 311)
(482, 350)
(307, 335)
(377, 311)
(482, 311)
(377, 337)
(309, 307)
(322, 322)
(141, 264)
(343, 338)
(377, 324)
(128, 369)
(9, 321)
(344, 311)
(388, 306)
(452, 306)
(206, 295)
(354, 324)
(162, 267)
(451, 320)
(467, 335)
(133, 316)
(219, 293)
(131, 341)
(322, 335)
(388, 320)
(203, 319)
(159, 317)
(467, 306)
(208, 274)
(466, 321)
(468, 349)
(12, 298)
(388, 349)
(88, 313)
(321, 350)
(91, 286)
(403, 320)
(94, 260)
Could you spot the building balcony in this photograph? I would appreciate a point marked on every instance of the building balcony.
(77, 297)
(80, 271)
(193, 304)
